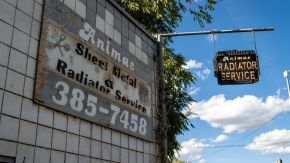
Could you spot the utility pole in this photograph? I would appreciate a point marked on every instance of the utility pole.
(287, 81)
(162, 100)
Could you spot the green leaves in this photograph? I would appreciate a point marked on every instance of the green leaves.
(163, 16)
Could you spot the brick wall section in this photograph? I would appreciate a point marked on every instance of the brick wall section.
(33, 133)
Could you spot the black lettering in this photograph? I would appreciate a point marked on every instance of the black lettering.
(91, 83)
(109, 83)
(144, 109)
(79, 49)
(101, 64)
(103, 89)
(118, 95)
(71, 74)
(116, 72)
(80, 76)
(87, 54)
(124, 100)
(95, 60)
(61, 66)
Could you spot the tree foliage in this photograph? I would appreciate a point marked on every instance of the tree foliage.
(163, 16)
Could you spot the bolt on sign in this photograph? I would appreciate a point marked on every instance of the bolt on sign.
(236, 67)
(90, 67)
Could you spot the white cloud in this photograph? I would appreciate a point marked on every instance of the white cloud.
(220, 138)
(239, 114)
(273, 142)
(193, 64)
(203, 74)
(194, 91)
(191, 150)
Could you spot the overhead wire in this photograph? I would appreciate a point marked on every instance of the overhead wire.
(244, 137)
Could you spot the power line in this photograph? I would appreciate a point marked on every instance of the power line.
(243, 145)
(244, 137)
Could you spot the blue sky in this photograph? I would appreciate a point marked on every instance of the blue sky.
(239, 114)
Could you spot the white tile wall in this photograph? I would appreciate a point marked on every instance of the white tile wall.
(124, 155)
(106, 135)
(33, 46)
(140, 157)
(71, 158)
(70, 3)
(60, 121)
(12, 104)
(116, 138)
(132, 143)
(132, 48)
(42, 155)
(58, 140)
(37, 11)
(9, 128)
(1, 98)
(146, 158)
(72, 144)
(124, 140)
(7, 148)
(140, 145)
(138, 41)
(80, 9)
(132, 156)
(84, 159)
(25, 153)
(5, 33)
(29, 110)
(109, 18)
(45, 116)
(15, 82)
(27, 132)
(31, 67)
(43, 138)
(57, 157)
(17, 61)
(96, 149)
(85, 129)
(96, 132)
(100, 23)
(95, 160)
(20, 41)
(85, 146)
(7, 12)
(106, 151)
(28, 88)
(117, 37)
(35, 30)
(4, 54)
(116, 153)
(73, 125)
(3, 71)
(25, 6)
(109, 30)
(23, 22)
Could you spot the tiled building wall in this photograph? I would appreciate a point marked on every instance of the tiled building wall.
(32, 133)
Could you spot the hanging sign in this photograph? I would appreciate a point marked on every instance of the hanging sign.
(90, 73)
(236, 67)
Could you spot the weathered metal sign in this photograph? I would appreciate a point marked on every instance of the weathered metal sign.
(236, 67)
(85, 72)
